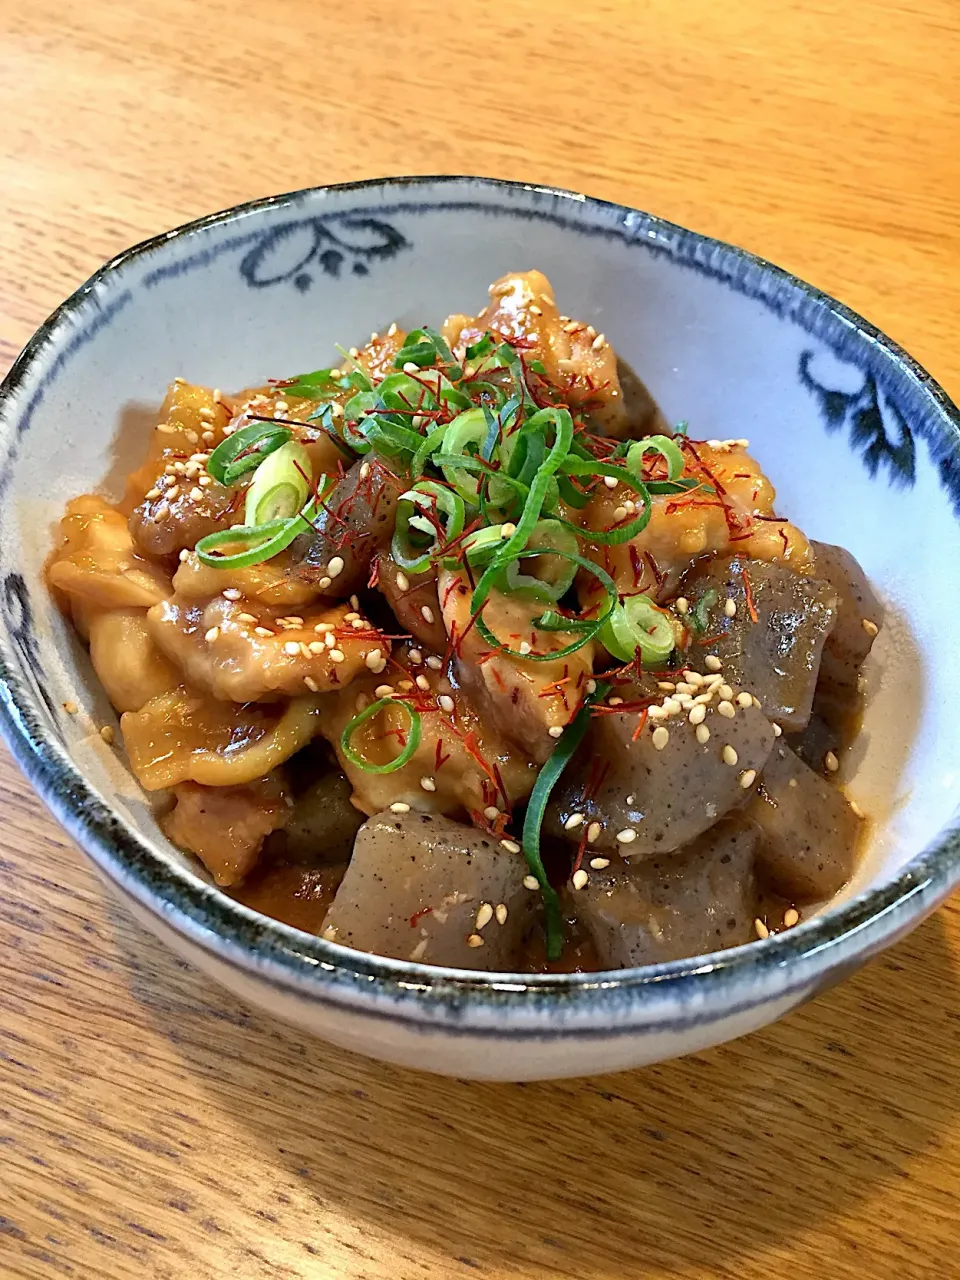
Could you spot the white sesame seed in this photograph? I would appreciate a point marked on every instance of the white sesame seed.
(593, 832)
(292, 648)
(474, 940)
(507, 530)
(744, 700)
(347, 617)
(196, 493)
(666, 685)
(703, 734)
(411, 366)
(335, 566)
(661, 737)
(491, 813)
(698, 714)
(712, 662)
(107, 734)
(152, 494)
(620, 514)
(384, 691)
(374, 659)
(726, 708)
(761, 928)
(445, 703)
(399, 806)
(212, 634)
(322, 628)
(232, 593)
(423, 683)
(311, 684)
(791, 917)
(629, 799)
(555, 731)
(858, 812)
(777, 730)
(531, 882)
(501, 913)
(869, 627)
(831, 762)
(726, 692)
(330, 640)
(728, 755)
(336, 655)
(427, 614)
(315, 647)
(71, 708)
(748, 778)
(614, 702)
(484, 916)
(730, 608)
(599, 863)
(434, 663)
(757, 703)
(263, 631)
(537, 311)
(403, 582)
(324, 583)
(611, 481)
(511, 846)
(599, 342)
(683, 605)
(591, 686)
(575, 820)
(364, 470)
(627, 836)
(162, 512)
(525, 646)
(580, 879)
(173, 492)
(305, 649)
(428, 784)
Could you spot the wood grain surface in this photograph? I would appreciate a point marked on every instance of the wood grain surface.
(150, 1126)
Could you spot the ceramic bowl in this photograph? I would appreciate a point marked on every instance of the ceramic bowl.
(862, 444)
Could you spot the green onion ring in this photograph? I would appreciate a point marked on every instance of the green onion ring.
(668, 449)
(224, 463)
(635, 624)
(413, 738)
(549, 621)
(267, 540)
(427, 496)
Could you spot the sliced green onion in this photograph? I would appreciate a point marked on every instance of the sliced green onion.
(429, 445)
(254, 443)
(413, 737)
(584, 628)
(668, 449)
(415, 536)
(624, 532)
(467, 429)
(699, 615)
(637, 624)
(280, 486)
(547, 779)
(557, 572)
(258, 542)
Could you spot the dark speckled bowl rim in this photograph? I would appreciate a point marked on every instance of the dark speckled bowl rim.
(295, 961)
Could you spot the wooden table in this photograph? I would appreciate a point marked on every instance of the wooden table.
(151, 1126)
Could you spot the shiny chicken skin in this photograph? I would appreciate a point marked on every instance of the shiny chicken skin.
(683, 528)
(578, 360)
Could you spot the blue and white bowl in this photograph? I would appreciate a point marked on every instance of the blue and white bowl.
(863, 446)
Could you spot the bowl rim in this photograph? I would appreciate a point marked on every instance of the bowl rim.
(291, 958)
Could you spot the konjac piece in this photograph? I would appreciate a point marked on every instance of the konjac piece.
(420, 887)
(808, 829)
(700, 899)
(656, 791)
(859, 618)
(773, 643)
(322, 824)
